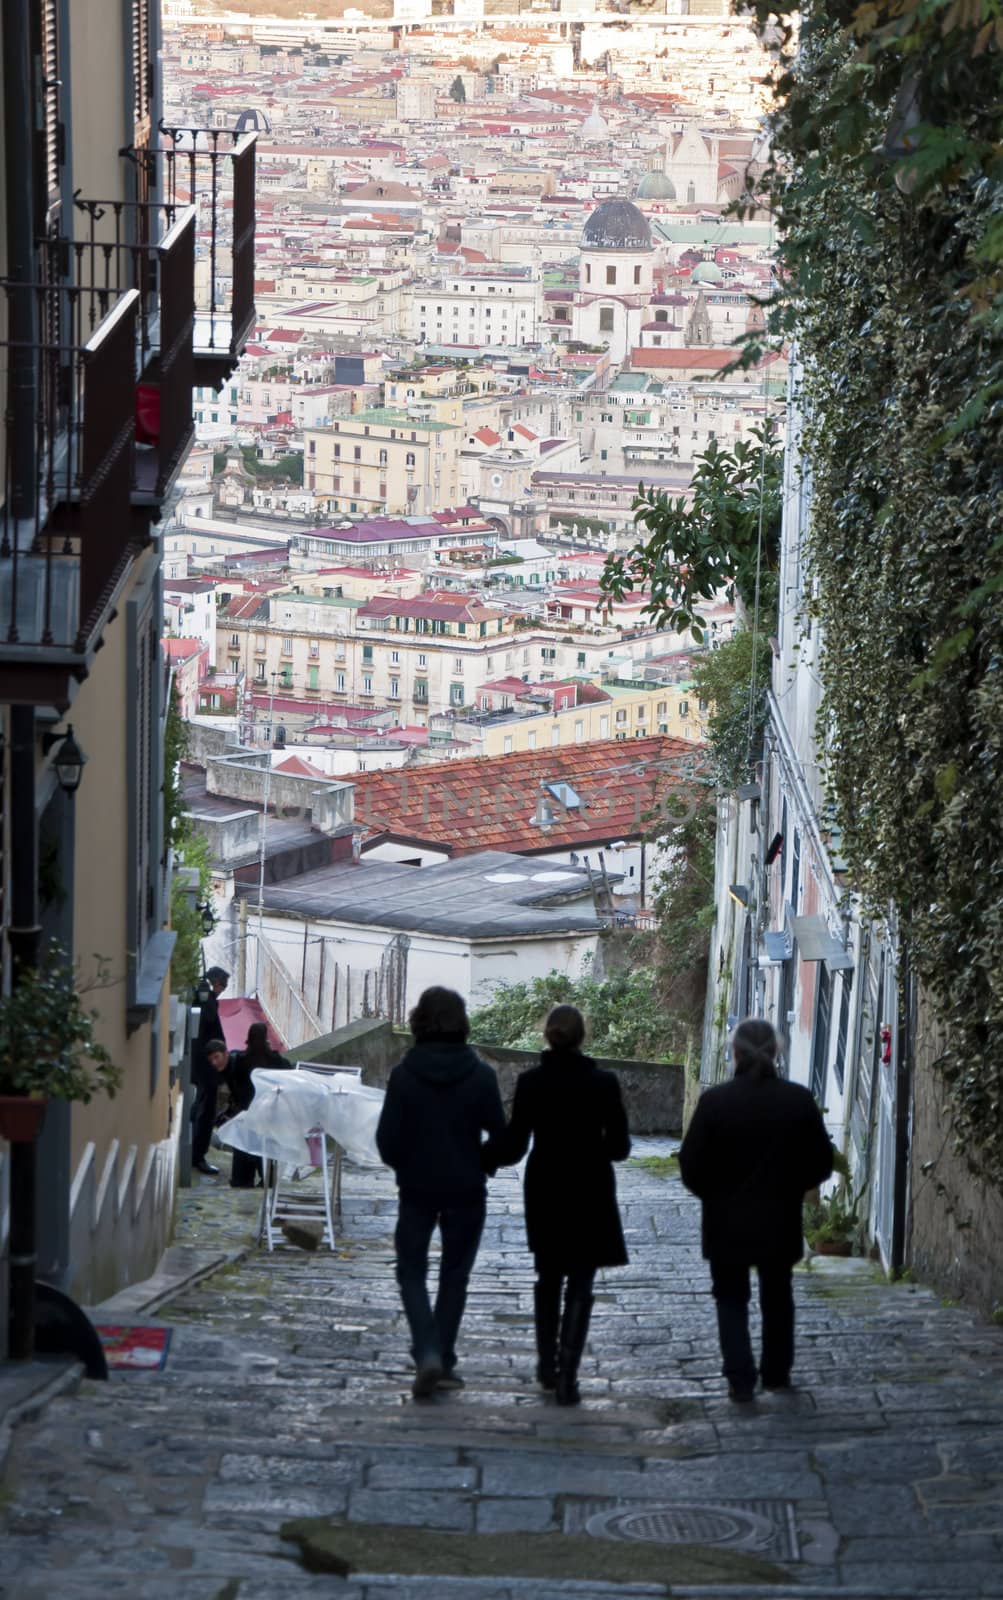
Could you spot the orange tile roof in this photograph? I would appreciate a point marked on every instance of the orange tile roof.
(486, 803)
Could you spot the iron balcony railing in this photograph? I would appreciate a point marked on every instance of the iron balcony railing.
(121, 246)
(213, 170)
(66, 532)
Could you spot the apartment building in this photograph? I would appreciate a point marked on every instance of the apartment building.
(384, 460)
(483, 308)
(98, 424)
(511, 716)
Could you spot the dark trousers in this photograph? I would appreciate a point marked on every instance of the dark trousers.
(244, 1169)
(203, 1112)
(732, 1291)
(578, 1282)
(460, 1223)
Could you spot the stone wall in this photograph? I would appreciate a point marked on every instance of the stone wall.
(956, 1221)
(652, 1090)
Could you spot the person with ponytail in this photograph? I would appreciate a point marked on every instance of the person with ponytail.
(753, 1148)
(573, 1113)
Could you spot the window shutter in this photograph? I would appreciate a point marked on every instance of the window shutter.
(142, 72)
(49, 141)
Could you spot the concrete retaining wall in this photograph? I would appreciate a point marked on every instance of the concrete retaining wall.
(652, 1090)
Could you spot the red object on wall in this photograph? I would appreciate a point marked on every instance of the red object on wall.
(147, 413)
(886, 1045)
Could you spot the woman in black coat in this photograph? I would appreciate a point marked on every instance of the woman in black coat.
(755, 1145)
(572, 1111)
(237, 1077)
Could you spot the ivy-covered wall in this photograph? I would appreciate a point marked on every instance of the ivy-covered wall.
(887, 181)
(956, 1218)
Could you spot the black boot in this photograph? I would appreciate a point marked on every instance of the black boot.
(574, 1331)
(547, 1315)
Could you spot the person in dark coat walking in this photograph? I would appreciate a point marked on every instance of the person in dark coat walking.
(440, 1099)
(204, 1076)
(755, 1145)
(237, 1077)
(573, 1112)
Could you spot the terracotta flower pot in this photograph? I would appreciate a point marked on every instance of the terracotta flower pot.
(833, 1247)
(21, 1117)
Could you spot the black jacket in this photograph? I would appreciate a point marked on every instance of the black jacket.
(574, 1114)
(753, 1148)
(237, 1074)
(210, 1027)
(439, 1101)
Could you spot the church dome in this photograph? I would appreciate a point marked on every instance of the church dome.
(253, 121)
(616, 225)
(595, 129)
(655, 185)
(706, 272)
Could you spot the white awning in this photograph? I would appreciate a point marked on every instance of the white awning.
(816, 943)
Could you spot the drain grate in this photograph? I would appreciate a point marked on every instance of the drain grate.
(755, 1525)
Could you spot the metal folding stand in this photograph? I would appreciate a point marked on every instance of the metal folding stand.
(280, 1202)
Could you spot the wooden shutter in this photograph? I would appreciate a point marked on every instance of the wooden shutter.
(49, 152)
(142, 72)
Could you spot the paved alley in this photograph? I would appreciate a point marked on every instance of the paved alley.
(286, 1394)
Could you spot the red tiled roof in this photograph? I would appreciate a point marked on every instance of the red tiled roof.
(296, 767)
(487, 436)
(183, 649)
(486, 803)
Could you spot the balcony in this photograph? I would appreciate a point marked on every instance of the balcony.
(121, 247)
(68, 395)
(213, 171)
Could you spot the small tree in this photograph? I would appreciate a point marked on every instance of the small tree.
(457, 91)
(727, 538)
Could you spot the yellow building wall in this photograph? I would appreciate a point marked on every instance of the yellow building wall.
(134, 1117)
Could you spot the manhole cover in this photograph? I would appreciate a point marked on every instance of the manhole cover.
(740, 1525)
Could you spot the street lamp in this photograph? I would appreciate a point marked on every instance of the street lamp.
(205, 911)
(69, 760)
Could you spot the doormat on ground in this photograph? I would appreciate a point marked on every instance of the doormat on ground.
(329, 1545)
(135, 1349)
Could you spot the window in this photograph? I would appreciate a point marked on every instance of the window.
(531, 739)
(457, 663)
(339, 682)
(367, 652)
(555, 733)
(579, 732)
(507, 745)
(421, 690)
(313, 677)
(235, 642)
(456, 694)
(367, 684)
(606, 319)
(234, 664)
(684, 708)
(337, 452)
(357, 452)
(287, 677)
(259, 672)
(409, 459)
(702, 703)
(395, 688)
(610, 276)
(287, 646)
(395, 656)
(422, 660)
(637, 274)
(621, 715)
(581, 658)
(588, 273)
(383, 458)
(604, 726)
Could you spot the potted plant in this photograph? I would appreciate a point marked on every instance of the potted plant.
(831, 1224)
(48, 1047)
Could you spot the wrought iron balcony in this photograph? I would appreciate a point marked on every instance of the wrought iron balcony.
(66, 530)
(212, 170)
(121, 246)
